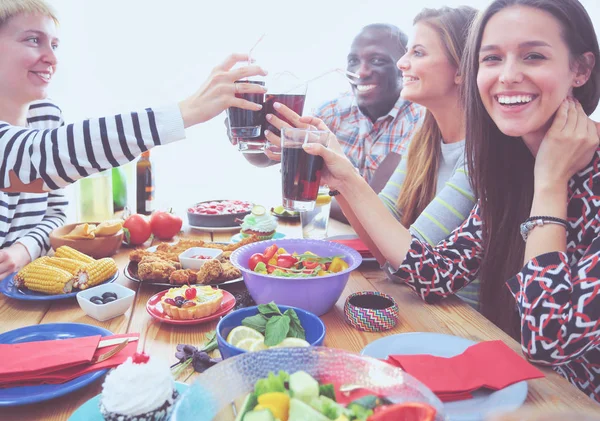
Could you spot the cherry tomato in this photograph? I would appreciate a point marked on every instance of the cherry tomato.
(165, 225)
(270, 252)
(255, 259)
(138, 230)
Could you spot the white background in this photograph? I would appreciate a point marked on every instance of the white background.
(122, 55)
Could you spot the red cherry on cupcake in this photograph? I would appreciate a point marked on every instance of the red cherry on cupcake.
(190, 293)
(140, 358)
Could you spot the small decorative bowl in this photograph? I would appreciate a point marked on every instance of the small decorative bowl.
(106, 311)
(371, 311)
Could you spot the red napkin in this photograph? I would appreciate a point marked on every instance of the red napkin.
(492, 365)
(356, 244)
(41, 357)
(54, 370)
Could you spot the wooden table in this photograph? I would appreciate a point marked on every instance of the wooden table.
(452, 316)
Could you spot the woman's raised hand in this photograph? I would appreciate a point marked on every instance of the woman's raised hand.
(568, 147)
(219, 91)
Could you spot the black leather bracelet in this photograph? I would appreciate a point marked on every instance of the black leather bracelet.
(333, 192)
(536, 221)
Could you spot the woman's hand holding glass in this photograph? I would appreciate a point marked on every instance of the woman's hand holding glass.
(337, 168)
(218, 93)
(567, 147)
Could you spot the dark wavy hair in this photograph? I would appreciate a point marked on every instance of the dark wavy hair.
(501, 167)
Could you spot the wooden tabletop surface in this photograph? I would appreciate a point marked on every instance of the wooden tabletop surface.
(452, 317)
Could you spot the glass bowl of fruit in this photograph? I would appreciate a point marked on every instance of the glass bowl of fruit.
(315, 383)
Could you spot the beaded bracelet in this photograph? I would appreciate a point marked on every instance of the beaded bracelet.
(333, 192)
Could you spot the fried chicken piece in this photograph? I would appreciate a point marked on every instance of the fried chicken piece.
(209, 272)
(155, 270)
(138, 255)
(180, 246)
(183, 277)
(229, 272)
(242, 242)
(215, 246)
(152, 258)
(224, 257)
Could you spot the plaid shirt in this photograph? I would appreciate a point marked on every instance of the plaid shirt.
(365, 143)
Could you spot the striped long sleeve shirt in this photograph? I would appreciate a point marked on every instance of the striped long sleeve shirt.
(60, 156)
(28, 218)
(450, 207)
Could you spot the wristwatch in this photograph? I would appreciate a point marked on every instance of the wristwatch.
(538, 221)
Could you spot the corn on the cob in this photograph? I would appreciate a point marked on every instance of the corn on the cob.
(70, 265)
(48, 279)
(19, 279)
(95, 273)
(71, 253)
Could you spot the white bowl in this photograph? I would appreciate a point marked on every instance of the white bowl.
(189, 262)
(106, 311)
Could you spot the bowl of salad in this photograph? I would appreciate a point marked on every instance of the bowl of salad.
(299, 384)
(304, 273)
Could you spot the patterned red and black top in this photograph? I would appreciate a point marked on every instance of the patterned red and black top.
(558, 294)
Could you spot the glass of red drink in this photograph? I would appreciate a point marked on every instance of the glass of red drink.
(244, 124)
(300, 171)
(285, 89)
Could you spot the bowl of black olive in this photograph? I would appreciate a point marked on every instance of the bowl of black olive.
(105, 301)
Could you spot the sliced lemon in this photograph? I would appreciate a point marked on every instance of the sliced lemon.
(323, 199)
(258, 210)
(248, 343)
(240, 333)
(292, 343)
(258, 346)
(279, 209)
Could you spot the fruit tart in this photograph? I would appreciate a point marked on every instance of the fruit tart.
(191, 302)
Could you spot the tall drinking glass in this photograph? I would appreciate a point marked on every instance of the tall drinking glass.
(286, 89)
(245, 124)
(314, 223)
(300, 171)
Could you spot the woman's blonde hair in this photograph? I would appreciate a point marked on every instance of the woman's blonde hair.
(419, 187)
(12, 8)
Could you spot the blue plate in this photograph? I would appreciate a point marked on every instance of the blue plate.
(90, 411)
(8, 288)
(237, 238)
(24, 395)
(440, 345)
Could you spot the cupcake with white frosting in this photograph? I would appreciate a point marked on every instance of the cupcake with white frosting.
(143, 391)
(259, 223)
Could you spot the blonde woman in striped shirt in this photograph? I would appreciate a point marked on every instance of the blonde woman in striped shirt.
(38, 161)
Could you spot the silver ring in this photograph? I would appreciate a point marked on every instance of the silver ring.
(235, 88)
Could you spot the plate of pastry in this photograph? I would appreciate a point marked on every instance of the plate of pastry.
(190, 304)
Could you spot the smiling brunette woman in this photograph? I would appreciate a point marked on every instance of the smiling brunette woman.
(531, 80)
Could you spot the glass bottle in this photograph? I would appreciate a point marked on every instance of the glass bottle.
(145, 184)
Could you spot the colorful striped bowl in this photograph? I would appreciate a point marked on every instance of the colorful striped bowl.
(371, 311)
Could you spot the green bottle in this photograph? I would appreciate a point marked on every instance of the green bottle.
(119, 184)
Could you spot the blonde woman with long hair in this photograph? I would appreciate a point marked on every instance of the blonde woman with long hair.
(429, 191)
